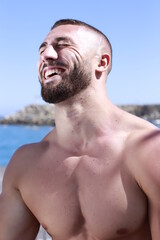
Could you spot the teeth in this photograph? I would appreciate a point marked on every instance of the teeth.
(50, 72)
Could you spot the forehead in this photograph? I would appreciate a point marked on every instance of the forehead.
(77, 34)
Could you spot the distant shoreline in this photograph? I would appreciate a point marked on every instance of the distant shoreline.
(32, 115)
(45, 114)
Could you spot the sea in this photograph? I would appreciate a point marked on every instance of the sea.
(14, 136)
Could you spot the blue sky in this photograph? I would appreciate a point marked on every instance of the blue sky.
(133, 27)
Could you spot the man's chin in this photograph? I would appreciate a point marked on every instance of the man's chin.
(56, 97)
(52, 99)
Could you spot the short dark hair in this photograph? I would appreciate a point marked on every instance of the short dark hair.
(81, 23)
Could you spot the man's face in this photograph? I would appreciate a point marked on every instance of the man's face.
(64, 67)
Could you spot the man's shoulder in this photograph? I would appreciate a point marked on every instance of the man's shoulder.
(22, 160)
(137, 131)
(143, 154)
(24, 153)
(26, 157)
(143, 137)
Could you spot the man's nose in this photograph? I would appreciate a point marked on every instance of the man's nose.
(49, 53)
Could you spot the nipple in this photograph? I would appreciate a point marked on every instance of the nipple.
(122, 231)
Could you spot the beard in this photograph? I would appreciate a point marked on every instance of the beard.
(70, 85)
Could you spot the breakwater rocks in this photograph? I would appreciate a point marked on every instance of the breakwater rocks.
(149, 112)
(32, 115)
(45, 114)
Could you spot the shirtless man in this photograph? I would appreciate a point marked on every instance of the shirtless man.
(96, 175)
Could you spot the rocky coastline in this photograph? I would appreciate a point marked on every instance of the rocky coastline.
(32, 115)
(45, 114)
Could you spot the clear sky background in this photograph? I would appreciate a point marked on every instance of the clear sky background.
(133, 27)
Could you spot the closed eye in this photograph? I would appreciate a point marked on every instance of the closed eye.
(62, 44)
(41, 50)
(42, 47)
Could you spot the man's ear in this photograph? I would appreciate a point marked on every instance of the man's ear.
(104, 62)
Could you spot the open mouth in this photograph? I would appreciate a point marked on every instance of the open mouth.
(50, 72)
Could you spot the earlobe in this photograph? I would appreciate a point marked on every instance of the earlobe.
(103, 63)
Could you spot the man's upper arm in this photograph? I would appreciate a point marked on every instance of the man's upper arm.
(16, 220)
(145, 167)
(151, 182)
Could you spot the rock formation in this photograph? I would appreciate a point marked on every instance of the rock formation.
(32, 115)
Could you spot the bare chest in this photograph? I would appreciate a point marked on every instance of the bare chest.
(84, 195)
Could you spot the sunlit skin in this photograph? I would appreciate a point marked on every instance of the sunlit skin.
(96, 175)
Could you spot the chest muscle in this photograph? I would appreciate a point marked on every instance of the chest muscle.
(86, 193)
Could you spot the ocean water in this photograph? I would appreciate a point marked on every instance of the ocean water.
(14, 136)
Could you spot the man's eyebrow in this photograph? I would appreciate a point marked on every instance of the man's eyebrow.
(42, 45)
(67, 39)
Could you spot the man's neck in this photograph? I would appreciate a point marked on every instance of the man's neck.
(79, 123)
